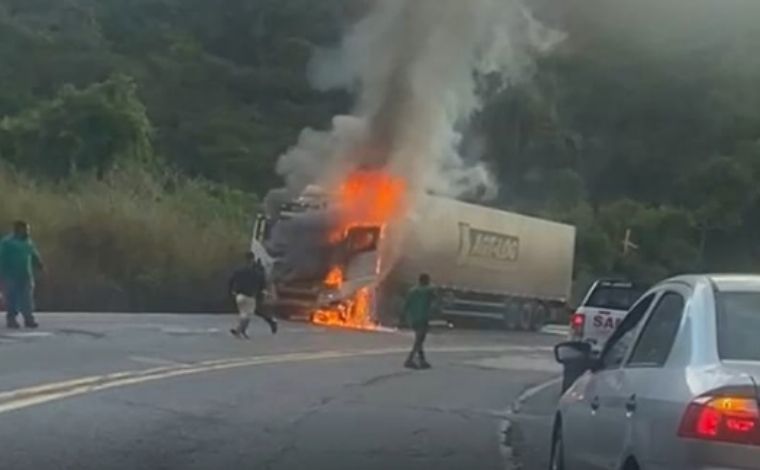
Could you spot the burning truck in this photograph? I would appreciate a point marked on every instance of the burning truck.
(344, 253)
(346, 257)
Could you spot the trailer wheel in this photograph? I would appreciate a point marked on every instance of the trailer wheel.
(540, 316)
(511, 313)
(526, 316)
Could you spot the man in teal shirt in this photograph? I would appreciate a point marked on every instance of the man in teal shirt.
(417, 308)
(18, 259)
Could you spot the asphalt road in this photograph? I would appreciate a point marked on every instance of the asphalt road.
(178, 392)
(530, 426)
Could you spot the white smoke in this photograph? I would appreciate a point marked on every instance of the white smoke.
(416, 68)
(318, 156)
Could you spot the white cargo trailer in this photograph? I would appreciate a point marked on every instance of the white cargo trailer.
(488, 263)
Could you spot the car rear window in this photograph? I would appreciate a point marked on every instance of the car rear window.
(614, 298)
(739, 326)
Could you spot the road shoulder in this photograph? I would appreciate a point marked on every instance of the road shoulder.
(527, 428)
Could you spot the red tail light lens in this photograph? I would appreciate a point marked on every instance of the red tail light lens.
(577, 321)
(721, 418)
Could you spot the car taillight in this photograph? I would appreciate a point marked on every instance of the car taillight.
(577, 321)
(733, 418)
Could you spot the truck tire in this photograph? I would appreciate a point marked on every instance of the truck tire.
(540, 316)
(526, 316)
(511, 314)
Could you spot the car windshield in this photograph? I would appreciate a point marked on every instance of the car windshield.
(613, 298)
(739, 325)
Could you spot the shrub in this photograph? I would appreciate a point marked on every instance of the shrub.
(133, 241)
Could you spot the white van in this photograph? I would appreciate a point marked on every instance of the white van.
(605, 305)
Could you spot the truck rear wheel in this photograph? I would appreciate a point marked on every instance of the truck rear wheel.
(526, 316)
(511, 314)
(539, 317)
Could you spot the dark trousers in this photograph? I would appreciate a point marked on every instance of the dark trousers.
(244, 308)
(19, 298)
(420, 334)
(262, 313)
(261, 310)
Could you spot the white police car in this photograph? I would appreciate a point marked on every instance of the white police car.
(603, 308)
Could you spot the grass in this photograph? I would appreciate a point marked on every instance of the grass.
(134, 241)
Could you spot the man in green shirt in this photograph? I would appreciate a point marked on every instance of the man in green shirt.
(417, 308)
(18, 259)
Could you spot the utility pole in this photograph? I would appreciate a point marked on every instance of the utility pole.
(628, 244)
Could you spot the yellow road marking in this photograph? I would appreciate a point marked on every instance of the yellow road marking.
(37, 395)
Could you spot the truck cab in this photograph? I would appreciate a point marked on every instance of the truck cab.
(309, 267)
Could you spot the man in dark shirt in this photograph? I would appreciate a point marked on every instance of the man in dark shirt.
(247, 287)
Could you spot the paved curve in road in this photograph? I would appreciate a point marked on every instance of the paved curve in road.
(531, 423)
(177, 392)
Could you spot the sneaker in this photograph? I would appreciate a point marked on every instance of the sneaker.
(12, 325)
(32, 325)
(274, 326)
(244, 334)
(235, 333)
(425, 365)
(411, 365)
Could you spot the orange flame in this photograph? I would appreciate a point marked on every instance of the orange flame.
(334, 278)
(366, 198)
(372, 197)
(355, 313)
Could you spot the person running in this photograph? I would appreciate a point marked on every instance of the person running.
(260, 300)
(247, 287)
(417, 308)
(18, 260)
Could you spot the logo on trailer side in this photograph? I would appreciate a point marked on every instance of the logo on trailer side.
(485, 248)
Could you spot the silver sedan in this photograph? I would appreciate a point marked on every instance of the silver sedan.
(675, 387)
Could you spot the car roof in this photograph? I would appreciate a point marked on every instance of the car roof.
(617, 282)
(721, 282)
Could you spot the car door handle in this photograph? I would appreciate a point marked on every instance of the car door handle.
(595, 404)
(630, 405)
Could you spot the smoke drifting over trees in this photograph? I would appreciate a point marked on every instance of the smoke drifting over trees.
(642, 115)
(417, 70)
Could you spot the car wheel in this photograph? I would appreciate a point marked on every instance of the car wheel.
(558, 451)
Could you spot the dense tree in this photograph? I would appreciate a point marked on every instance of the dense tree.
(646, 104)
(646, 119)
(79, 131)
(225, 88)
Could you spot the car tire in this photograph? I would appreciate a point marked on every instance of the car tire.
(557, 461)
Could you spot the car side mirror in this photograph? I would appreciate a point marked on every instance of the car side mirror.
(572, 352)
(576, 358)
